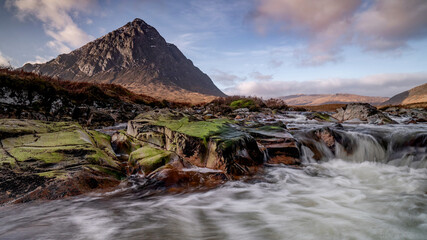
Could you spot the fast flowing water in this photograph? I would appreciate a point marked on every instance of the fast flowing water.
(377, 192)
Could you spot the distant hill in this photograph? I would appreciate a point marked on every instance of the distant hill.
(414, 95)
(321, 99)
(138, 58)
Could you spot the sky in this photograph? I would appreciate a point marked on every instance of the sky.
(266, 48)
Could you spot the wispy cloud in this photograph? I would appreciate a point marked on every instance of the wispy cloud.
(261, 77)
(57, 20)
(385, 85)
(4, 60)
(226, 79)
(328, 25)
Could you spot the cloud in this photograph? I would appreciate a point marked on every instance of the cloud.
(226, 79)
(274, 63)
(328, 25)
(56, 19)
(4, 60)
(40, 59)
(375, 85)
(390, 24)
(261, 77)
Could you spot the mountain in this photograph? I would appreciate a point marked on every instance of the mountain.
(137, 57)
(320, 99)
(414, 95)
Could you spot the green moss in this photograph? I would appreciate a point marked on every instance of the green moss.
(243, 103)
(5, 159)
(322, 116)
(59, 174)
(150, 158)
(114, 173)
(102, 141)
(47, 155)
(200, 129)
(17, 127)
(102, 158)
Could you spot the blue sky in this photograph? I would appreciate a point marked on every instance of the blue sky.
(266, 48)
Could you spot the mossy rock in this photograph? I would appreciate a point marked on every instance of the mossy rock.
(322, 117)
(148, 158)
(18, 127)
(243, 103)
(215, 143)
(54, 152)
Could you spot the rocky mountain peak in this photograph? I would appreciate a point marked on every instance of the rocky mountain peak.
(135, 56)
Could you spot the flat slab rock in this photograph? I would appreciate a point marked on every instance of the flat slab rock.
(45, 160)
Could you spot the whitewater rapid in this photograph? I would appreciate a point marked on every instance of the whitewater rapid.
(332, 200)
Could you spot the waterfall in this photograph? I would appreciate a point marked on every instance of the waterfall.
(398, 147)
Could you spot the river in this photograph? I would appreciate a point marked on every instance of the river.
(379, 191)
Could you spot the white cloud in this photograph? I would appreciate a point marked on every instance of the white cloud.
(328, 25)
(40, 59)
(385, 85)
(56, 18)
(4, 61)
(390, 24)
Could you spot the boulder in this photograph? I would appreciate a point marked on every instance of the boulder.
(51, 160)
(281, 147)
(178, 180)
(214, 143)
(363, 112)
(147, 158)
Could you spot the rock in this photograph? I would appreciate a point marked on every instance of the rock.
(52, 160)
(280, 145)
(414, 115)
(178, 180)
(363, 112)
(323, 142)
(121, 143)
(321, 117)
(148, 158)
(241, 110)
(100, 119)
(214, 144)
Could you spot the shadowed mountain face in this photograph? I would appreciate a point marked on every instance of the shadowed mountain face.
(320, 99)
(137, 57)
(414, 95)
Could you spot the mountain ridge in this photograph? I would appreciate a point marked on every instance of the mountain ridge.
(416, 94)
(338, 98)
(137, 57)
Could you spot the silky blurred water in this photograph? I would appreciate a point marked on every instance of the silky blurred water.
(333, 200)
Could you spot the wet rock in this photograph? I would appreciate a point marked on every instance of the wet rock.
(148, 158)
(214, 144)
(42, 154)
(323, 142)
(178, 180)
(414, 115)
(321, 117)
(100, 119)
(280, 145)
(363, 112)
(121, 143)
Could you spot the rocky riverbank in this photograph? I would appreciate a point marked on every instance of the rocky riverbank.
(177, 150)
